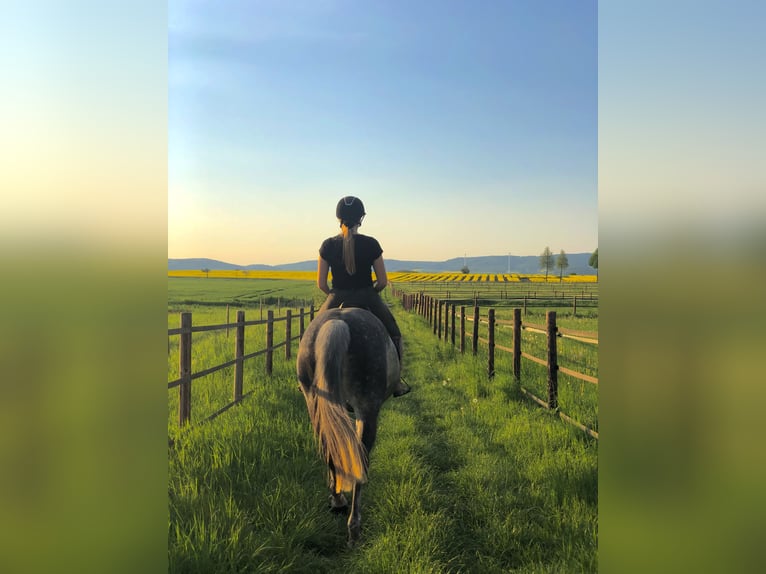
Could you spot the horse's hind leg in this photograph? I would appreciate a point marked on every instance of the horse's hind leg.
(366, 431)
(355, 517)
(338, 502)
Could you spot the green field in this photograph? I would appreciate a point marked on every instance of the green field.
(467, 475)
(187, 293)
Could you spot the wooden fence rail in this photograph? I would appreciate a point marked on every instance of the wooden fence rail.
(186, 376)
(550, 295)
(431, 309)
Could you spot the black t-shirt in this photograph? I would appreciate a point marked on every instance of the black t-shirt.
(366, 250)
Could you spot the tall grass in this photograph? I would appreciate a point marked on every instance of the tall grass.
(466, 476)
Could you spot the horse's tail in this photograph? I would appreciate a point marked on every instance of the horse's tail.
(338, 441)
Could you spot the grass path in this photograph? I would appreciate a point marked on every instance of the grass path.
(466, 476)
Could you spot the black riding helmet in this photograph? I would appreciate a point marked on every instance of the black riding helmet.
(350, 210)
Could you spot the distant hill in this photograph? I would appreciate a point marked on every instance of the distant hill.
(189, 264)
(526, 264)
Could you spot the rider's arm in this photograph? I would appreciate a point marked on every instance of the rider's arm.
(322, 269)
(380, 274)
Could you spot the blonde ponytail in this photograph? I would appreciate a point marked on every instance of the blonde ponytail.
(348, 249)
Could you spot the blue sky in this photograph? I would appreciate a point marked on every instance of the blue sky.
(464, 127)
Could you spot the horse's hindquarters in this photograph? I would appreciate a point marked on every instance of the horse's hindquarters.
(346, 357)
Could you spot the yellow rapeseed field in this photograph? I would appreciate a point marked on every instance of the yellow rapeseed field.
(244, 274)
(487, 278)
(393, 276)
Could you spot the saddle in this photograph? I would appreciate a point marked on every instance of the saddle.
(345, 305)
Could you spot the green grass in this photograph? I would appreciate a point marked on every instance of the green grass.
(466, 476)
(186, 293)
(206, 299)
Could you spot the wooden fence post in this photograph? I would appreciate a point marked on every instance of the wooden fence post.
(311, 313)
(439, 322)
(303, 324)
(517, 344)
(462, 329)
(227, 320)
(239, 352)
(452, 330)
(270, 342)
(446, 320)
(491, 354)
(184, 370)
(525, 305)
(288, 333)
(553, 380)
(475, 339)
(574, 306)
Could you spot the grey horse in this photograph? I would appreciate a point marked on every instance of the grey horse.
(347, 364)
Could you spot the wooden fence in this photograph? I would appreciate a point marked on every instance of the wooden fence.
(524, 298)
(186, 376)
(441, 315)
(447, 290)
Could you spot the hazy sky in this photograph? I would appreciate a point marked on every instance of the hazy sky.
(465, 127)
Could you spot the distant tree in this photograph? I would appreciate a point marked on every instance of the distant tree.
(546, 261)
(464, 269)
(593, 261)
(206, 271)
(562, 263)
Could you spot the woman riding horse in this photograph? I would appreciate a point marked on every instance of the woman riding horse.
(350, 255)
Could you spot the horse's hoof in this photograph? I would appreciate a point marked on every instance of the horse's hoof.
(353, 539)
(401, 389)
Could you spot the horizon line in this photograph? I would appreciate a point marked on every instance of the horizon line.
(466, 257)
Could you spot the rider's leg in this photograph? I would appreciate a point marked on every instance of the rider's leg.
(383, 313)
(402, 388)
(332, 301)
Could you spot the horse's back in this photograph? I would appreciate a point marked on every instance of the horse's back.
(368, 358)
